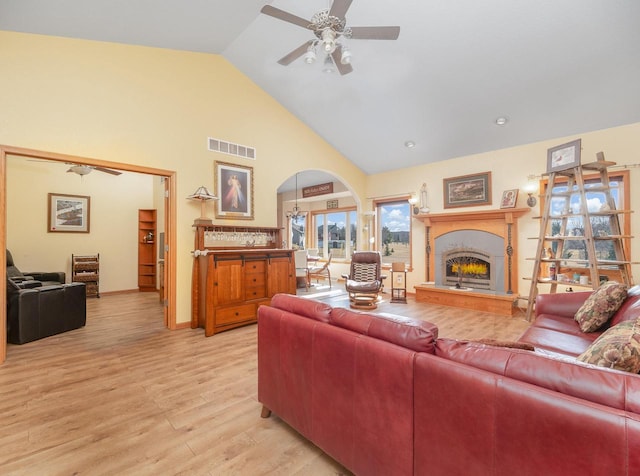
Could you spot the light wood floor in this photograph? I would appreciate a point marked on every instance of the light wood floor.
(126, 396)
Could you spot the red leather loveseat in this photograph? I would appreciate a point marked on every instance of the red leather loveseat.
(383, 395)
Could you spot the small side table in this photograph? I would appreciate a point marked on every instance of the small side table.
(399, 286)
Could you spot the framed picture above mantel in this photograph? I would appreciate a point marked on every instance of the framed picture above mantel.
(467, 190)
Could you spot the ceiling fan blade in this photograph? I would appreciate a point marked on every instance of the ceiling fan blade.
(295, 54)
(375, 32)
(285, 16)
(109, 171)
(342, 68)
(339, 8)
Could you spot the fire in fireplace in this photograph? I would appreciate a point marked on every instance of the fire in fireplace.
(468, 267)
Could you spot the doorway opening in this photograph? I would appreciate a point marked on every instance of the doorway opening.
(169, 180)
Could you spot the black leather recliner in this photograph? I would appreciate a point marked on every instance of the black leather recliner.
(44, 311)
(32, 279)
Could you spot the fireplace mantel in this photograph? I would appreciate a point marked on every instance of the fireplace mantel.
(506, 215)
(500, 222)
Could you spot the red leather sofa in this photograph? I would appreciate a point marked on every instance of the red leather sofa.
(383, 395)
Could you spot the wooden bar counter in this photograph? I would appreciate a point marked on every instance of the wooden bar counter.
(228, 285)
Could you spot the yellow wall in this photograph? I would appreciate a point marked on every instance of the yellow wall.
(155, 107)
(509, 169)
(114, 204)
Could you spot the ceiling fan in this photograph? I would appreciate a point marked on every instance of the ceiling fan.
(329, 27)
(82, 169)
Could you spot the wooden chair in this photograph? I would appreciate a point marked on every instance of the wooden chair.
(302, 269)
(321, 271)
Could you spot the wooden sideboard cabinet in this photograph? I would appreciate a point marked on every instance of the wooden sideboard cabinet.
(231, 282)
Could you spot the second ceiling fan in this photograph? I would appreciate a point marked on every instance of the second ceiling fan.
(329, 27)
(82, 169)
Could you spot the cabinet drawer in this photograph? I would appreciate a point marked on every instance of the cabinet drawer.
(231, 315)
(258, 266)
(255, 292)
(254, 279)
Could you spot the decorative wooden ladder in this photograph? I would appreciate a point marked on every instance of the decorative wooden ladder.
(575, 185)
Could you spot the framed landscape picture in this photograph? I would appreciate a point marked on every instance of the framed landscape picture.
(565, 156)
(467, 190)
(68, 213)
(234, 188)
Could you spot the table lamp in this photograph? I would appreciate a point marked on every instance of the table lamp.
(204, 196)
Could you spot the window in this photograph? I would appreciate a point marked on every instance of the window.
(393, 235)
(336, 233)
(298, 231)
(618, 185)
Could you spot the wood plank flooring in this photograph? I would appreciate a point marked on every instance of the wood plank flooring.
(124, 395)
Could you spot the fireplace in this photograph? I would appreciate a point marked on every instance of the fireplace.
(469, 268)
(492, 235)
(475, 256)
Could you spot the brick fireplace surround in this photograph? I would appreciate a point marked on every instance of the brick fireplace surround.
(502, 223)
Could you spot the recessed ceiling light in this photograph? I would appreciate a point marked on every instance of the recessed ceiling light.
(409, 144)
(502, 120)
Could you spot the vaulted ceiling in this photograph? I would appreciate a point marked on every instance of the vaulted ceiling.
(551, 67)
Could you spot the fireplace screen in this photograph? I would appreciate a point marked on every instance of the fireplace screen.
(468, 268)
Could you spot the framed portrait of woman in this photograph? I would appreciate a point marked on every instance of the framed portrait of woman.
(234, 188)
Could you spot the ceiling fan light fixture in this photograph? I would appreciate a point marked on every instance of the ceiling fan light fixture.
(80, 169)
(310, 55)
(328, 40)
(328, 66)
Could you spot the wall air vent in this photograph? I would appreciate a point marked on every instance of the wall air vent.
(217, 145)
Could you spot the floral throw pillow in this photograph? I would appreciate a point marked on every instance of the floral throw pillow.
(617, 348)
(600, 306)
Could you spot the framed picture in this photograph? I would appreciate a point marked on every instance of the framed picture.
(565, 156)
(509, 198)
(467, 190)
(68, 213)
(234, 188)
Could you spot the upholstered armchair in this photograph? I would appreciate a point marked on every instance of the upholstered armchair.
(364, 282)
(44, 311)
(32, 279)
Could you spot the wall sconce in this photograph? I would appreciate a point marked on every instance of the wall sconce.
(369, 218)
(530, 188)
(413, 201)
(204, 196)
